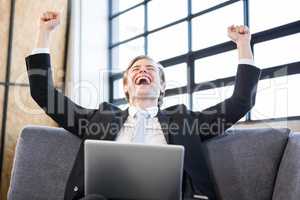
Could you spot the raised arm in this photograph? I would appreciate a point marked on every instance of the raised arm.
(216, 119)
(59, 107)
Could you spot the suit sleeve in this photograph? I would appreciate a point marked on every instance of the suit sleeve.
(59, 107)
(216, 119)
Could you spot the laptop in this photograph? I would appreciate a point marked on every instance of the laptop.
(133, 171)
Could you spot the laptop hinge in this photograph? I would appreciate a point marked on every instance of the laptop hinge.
(198, 196)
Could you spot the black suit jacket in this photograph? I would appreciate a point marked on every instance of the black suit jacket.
(180, 125)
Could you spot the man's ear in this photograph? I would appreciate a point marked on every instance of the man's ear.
(125, 87)
(163, 87)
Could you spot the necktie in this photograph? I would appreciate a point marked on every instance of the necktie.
(140, 127)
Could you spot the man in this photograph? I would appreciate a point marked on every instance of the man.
(144, 86)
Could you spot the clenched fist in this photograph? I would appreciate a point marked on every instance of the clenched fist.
(49, 21)
(239, 34)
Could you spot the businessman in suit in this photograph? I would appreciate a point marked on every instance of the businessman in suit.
(144, 86)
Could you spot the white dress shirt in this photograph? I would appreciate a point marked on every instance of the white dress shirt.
(153, 132)
(40, 50)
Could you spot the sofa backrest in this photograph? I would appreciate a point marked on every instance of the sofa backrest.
(43, 160)
(288, 179)
(244, 162)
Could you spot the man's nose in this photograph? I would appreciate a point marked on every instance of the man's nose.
(143, 70)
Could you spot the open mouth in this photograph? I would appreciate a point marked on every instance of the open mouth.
(143, 80)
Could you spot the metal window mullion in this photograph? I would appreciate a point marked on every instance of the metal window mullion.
(7, 81)
(246, 12)
(190, 61)
(246, 22)
(112, 16)
(191, 80)
(274, 33)
(176, 22)
(249, 114)
(290, 66)
(274, 72)
(110, 35)
(269, 73)
(146, 26)
(190, 57)
(216, 7)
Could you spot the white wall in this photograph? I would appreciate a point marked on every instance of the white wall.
(87, 73)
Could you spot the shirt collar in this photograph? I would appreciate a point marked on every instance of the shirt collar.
(151, 110)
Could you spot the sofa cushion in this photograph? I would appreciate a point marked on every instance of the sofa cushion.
(43, 160)
(244, 162)
(288, 178)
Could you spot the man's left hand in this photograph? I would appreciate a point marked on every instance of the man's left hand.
(239, 34)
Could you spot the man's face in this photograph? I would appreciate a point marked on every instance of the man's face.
(143, 80)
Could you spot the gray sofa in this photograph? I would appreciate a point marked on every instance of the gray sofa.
(247, 164)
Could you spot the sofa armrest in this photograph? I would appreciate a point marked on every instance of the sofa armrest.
(288, 179)
(43, 160)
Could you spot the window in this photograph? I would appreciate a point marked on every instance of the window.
(162, 46)
(123, 30)
(217, 66)
(165, 12)
(122, 5)
(118, 91)
(176, 76)
(174, 100)
(207, 98)
(279, 51)
(203, 5)
(190, 41)
(123, 53)
(277, 98)
(265, 14)
(211, 28)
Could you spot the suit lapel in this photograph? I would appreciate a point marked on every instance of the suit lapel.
(164, 121)
(124, 116)
(117, 119)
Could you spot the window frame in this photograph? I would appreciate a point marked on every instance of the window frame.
(190, 57)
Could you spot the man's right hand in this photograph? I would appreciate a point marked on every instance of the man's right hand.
(47, 23)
